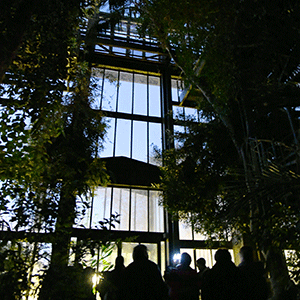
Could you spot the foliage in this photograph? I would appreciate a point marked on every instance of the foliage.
(16, 260)
(50, 135)
(242, 59)
(201, 162)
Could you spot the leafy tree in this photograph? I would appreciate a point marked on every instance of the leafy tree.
(50, 135)
(242, 58)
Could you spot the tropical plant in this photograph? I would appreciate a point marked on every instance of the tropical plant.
(241, 59)
(50, 135)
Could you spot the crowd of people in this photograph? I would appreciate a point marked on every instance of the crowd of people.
(142, 279)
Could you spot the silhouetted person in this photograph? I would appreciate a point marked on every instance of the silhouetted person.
(110, 287)
(223, 281)
(254, 273)
(183, 280)
(201, 265)
(142, 278)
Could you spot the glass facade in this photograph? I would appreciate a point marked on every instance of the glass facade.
(131, 103)
(139, 209)
(137, 91)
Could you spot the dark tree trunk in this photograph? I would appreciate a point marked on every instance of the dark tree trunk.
(63, 230)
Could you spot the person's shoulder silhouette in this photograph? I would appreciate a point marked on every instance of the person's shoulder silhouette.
(223, 281)
(142, 278)
(256, 286)
(183, 280)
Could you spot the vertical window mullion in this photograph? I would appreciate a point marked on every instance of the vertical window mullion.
(118, 90)
(91, 214)
(111, 205)
(130, 196)
(116, 119)
(105, 196)
(148, 109)
(102, 89)
(148, 211)
(132, 111)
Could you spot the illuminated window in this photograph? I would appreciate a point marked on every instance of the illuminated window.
(139, 210)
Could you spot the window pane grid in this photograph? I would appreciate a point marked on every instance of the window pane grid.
(139, 209)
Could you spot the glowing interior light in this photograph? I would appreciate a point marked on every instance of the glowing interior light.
(96, 279)
(176, 257)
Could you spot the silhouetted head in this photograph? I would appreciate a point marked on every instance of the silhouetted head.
(201, 263)
(185, 260)
(222, 256)
(246, 253)
(119, 261)
(140, 253)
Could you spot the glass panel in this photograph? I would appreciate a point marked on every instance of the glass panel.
(152, 251)
(199, 236)
(111, 258)
(207, 254)
(185, 231)
(140, 94)
(84, 214)
(107, 150)
(123, 137)
(177, 128)
(155, 138)
(163, 256)
(139, 210)
(191, 112)
(121, 206)
(125, 92)
(139, 150)
(177, 111)
(127, 249)
(154, 96)
(176, 89)
(101, 207)
(110, 90)
(156, 221)
(96, 84)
